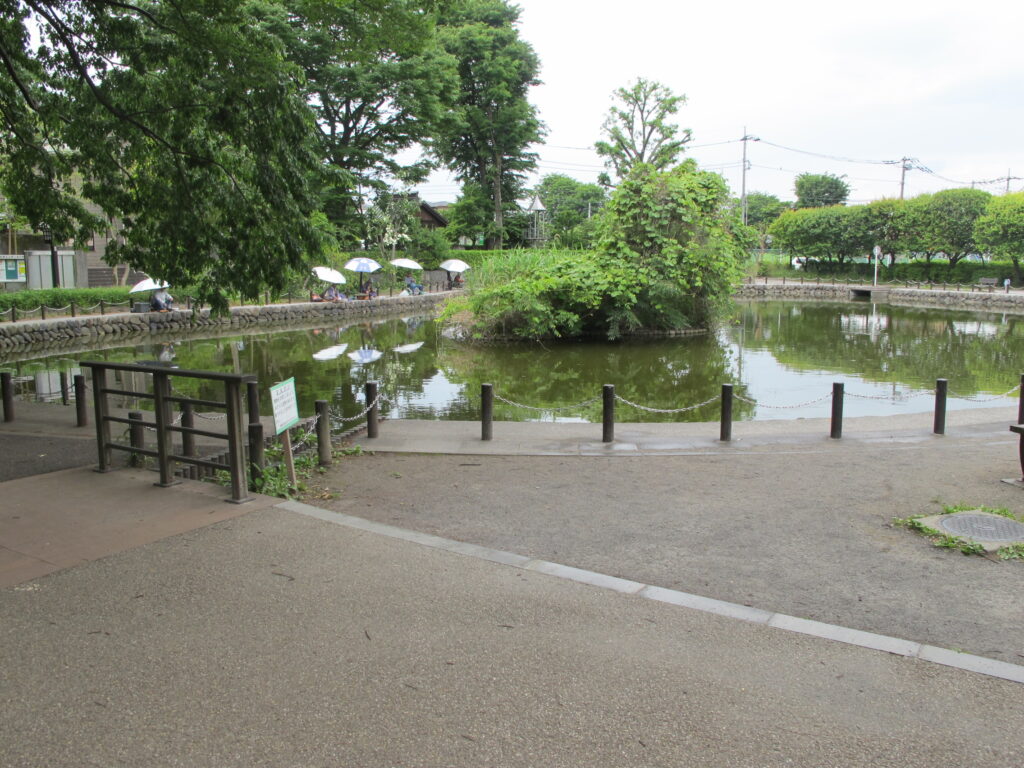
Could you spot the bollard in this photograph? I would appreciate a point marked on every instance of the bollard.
(65, 395)
(103, 306)
(1020, 401)
(837, 410)
(486, 411)
(14, 314)
(252, 398)
(81, 411)
(257, 458)
(608, 421)
(188, 420)
(941, 387)
(323, 432)
(136, 437)
(725, 433)
(8, 395)
(42, 311)
(371, 414)
(73, 309)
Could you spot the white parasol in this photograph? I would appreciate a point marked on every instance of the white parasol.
(406, 348)
(362, 264)
(149, 284)
(406, 263)
(454, 265)
(364, 355)
(329, 353)
(329, 275)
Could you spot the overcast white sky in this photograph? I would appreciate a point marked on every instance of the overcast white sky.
(942, 82)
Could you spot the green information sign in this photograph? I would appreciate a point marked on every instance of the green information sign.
(286, 405)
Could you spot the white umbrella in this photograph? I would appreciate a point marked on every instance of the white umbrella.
(329, 275)
(329, 353)
(406, 263)
(454, 265)
(149, 284)
(362, 264)
(404, 348)
(364, 355)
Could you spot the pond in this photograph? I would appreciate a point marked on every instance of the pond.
(781, 357)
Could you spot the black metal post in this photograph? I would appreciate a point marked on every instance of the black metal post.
(837, 410)
(103, 306)
(608, 410)
(725, 433)
(941, 387)
(7, 385)
(136, 437)
(323, 432)
(62, 377)
(81, 409)
(73, 308)
(371, 415)
(486, 411)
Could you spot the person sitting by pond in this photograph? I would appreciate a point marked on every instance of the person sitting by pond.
(371, 290)
(414, 288)
(333, 294)
(161, 300)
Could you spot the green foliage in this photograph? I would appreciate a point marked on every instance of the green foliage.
(938, 538)
(182, 121)
(669, 251)
(62, 297)
(1000, 229)
(817, 190)
(638, 128)
(763, 209)
(835, 233)
(571, 206)
(945, 221)
(486, 135)
(378, 82)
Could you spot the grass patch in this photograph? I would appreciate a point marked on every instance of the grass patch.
(947, 541)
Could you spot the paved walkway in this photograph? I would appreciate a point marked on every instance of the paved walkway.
(175, 628)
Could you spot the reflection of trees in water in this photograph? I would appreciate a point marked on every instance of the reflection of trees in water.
(658, 373)
(976, 352)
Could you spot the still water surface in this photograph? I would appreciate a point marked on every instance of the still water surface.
(782, 359)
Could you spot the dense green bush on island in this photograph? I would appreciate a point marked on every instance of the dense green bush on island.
(669, 249)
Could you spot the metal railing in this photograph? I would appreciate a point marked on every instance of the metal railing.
(164, 426)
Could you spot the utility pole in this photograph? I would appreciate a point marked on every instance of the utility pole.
(743, 178)
(904, 167)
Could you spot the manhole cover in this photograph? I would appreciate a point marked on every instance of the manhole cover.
(983, 527)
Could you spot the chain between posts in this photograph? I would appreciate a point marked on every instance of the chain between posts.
(668, 410)
(797, 405)
(335, 418)
(546, 410)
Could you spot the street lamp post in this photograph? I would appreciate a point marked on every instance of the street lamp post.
(54, 259)
(876, 252)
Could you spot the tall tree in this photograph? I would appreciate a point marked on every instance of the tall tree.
(834, 233)
(379, 83)
(762, 210)
(487, 136)
(1000, 230)
(819, 190)
(180, 119)
(638, 128)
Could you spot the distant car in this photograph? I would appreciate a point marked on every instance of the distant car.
(800, 262)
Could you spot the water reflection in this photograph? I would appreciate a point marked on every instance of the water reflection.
(781, 357)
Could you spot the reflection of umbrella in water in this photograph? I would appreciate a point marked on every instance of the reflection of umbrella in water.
(149, 284)
(362, 265)
(329, 353)
(454, 265)
(406, 348)
(406, 263)
(364, 355)
(329, 275)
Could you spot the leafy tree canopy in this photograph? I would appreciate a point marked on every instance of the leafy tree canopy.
(946, 221)
(571, 204)
(818, 190)
(182, 120)
(763, 209)
(486, 137)
(1000, 230)
(638, 128)
(835, 233)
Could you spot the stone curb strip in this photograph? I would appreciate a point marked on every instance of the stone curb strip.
(869, 640)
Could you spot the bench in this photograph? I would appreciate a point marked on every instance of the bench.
(1019, 429)
(986, 282)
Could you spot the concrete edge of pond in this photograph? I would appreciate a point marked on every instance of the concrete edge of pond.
(645, 439)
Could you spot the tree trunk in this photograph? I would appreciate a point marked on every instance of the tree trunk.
(499, 217)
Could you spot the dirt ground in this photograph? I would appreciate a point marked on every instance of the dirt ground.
(806, 530)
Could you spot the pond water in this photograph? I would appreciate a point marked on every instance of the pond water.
(781, 357)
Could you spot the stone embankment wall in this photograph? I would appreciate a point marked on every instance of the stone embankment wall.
(63, 332)
(996, 301)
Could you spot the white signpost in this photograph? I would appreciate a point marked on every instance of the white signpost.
(286, 416)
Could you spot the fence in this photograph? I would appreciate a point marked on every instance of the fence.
(990, 287)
